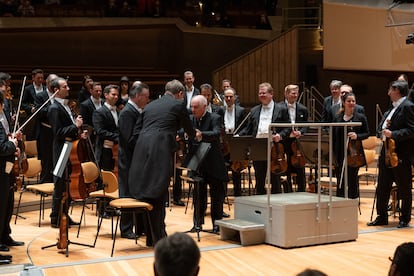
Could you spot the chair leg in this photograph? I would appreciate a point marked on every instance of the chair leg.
(82, 214)
(190, 187)
(113, 243)
(18, 207)
(41, 204)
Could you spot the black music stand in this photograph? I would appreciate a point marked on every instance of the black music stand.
(193, 166)
(248, 148)
(62, 167)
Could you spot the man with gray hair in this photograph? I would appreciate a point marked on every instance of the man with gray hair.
(332, 100)
(152, 161)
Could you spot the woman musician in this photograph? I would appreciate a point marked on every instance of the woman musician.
(356, 157)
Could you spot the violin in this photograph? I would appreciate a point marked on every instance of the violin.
(238, 166)
(63, 224)
(278, 163)
(297, 159)
(391, 158)
(356, 157)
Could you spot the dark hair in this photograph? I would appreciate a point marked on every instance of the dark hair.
(1, 98)
(55, 83)
(137, 88)
(37, 71)
(403, 258)
(108, 88)
(85, 78)
(402, 86)
(311, 272)
(177, 254)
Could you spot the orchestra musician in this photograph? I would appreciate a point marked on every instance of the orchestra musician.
(332, 100)
(152, 161)
(8, 151)
(293, 112)
(348, 113)
(65, 128)
(28, 102)
(105, 122)
(130, 123)
(45, 135)
(397, 124)
(88, 106)
(262, 115)
(212, 169)
(190, 89)
(233, 116)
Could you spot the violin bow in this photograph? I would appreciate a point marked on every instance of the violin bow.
(241, 124)
(19, 106)
(37, 111)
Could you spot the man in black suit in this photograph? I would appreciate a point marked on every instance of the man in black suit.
(398, 124)
(105, 122)
(152, 162)
(130, 122)
(190, 89)
(45, 136)
(64, 128)
(332, 100)
(262, 115)
(212, 169)
(233, 117)
(294, 112)
(88, 106)
(85, 91)
(8, 150)
(28, 103)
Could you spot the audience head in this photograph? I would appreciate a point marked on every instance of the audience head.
(311, 272)
(177, 254)
(265, 93)
(198, 106)
(176, 88)
(402, 262)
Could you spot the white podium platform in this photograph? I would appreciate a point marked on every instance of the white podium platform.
(296, 219)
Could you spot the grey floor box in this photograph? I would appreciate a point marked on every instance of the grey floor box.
(297, 219)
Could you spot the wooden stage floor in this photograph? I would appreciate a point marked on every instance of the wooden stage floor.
(368, 255)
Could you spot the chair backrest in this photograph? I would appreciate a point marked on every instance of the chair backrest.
(90, 172)
(34, 167)
(30, 148)
(370, 143)
(110, 181)
(369, 155)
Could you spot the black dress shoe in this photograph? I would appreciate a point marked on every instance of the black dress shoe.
(4, 262)
(378, 221)
(4, 247)
(178, 203)
(216, 229)
(11, 242)
(72, 222)
(5, 257)
(402, 224)
(194, 229)
(225, 215)
(130, 235)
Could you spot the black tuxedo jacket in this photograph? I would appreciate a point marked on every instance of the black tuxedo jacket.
(239, 115)
(63, 128)
(105, 128)
(29, 95)
(86, 109)
(195, 93)
(44, 134)
(402, 127)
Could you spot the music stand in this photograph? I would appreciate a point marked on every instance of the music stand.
(193, 165)
(248, 148)
(60, 168)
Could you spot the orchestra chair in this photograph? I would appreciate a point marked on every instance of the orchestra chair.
(134, 206)
(369, 171)
(31, 176)
(108, 193)
(90, 173)
(30, 148)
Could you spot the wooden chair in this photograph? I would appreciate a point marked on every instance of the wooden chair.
(369, 171)
(131, 205)
(32, 176)
(30, 148)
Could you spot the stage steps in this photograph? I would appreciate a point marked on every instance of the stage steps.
(247, 232)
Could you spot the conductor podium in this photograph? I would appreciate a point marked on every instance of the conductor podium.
(295, 219)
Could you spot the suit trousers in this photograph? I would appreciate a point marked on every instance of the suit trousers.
(260, 169)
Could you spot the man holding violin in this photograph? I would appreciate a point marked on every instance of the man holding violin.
(294, 112)
(397, 124)
(8, 151)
